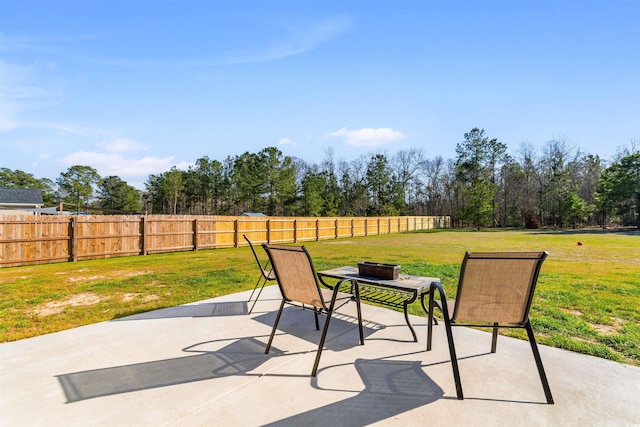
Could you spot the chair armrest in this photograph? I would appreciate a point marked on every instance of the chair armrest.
(325, 284)
(443, 308)
(353, 287)
(338, 284)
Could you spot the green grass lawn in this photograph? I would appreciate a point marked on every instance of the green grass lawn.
(587, 300)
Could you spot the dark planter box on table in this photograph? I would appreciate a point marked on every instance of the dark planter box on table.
(378, 270)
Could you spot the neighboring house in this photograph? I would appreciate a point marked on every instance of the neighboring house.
(21, 199)
(253, 214)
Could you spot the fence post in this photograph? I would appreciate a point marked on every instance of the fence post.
(317, 230)
(295, 230)
(196, 243)
(143, 234)
(337, 228)
(268, 231)
(352, 229)
(73, 243)
(235, 233)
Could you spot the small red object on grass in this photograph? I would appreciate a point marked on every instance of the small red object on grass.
(579, 243)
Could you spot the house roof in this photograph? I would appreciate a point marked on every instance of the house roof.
(21, 196)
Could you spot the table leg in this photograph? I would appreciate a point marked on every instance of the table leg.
(424, 307)
(406, 316)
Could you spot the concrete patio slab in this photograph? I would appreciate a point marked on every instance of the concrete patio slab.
(204, 364)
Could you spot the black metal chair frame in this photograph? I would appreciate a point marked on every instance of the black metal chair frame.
(266, 275)
(449, 323)
(328, 310)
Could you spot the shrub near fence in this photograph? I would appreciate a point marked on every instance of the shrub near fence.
(33, 239)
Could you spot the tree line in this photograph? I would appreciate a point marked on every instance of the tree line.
(483, 186)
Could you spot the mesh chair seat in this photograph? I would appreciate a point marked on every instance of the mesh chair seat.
(495, 289)
(298, 283)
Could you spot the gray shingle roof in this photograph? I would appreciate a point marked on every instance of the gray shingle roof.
(25, 196)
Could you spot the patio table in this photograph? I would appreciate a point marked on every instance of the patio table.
(397, 293)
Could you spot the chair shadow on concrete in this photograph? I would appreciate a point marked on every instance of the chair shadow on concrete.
(237, 358)
(390, 388)
(299, 322)
(206, 309)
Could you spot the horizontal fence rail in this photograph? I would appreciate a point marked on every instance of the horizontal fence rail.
(26, 240)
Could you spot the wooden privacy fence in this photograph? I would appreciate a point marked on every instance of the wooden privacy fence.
(48, 239)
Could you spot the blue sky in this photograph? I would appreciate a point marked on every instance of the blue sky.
(135, 87)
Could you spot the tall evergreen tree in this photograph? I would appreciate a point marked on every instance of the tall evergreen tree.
(117, 195)
(619, 189)
(478, 161)
(557, 182)
(379, 183)
(173, 186)
(77, 184)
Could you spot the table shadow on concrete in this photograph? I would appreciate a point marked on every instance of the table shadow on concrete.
(298, 322)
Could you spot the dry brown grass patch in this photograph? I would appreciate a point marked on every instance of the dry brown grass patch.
(616, 326)
(128, 297)
(56, 307)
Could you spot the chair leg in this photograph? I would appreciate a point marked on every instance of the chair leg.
(536, 356)
(324, 331)
(275, 326)
(264, 282)
(447, 325)
(315, 314)
(430, 318)
(494, 338)
(255, 287)
(454, 359)
(359, 309)
(321, 345)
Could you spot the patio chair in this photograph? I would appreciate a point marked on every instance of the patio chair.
(266, 274)
(495, 290)
(299, 284)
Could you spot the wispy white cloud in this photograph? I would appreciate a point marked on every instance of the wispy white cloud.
(285, 141)
(117, 164)
(184, 166)
(22, 89)
(9, 43)
(120, 145)
(368, 137)
(294, 39)
(298, 38)
(13, 92)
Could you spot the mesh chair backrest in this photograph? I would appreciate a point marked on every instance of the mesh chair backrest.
(295, 274)
(497, 287)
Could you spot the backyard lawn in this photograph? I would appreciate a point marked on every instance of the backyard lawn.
(587, 297)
